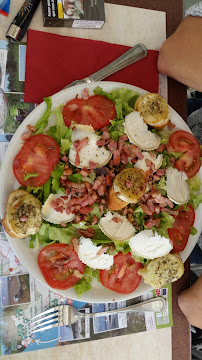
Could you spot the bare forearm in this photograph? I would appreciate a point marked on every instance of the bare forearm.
(190, 302)
(180, 56)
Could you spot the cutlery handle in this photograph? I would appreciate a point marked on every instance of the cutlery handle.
(155, 304)
(136, 53)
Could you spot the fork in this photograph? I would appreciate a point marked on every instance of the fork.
(66, 314)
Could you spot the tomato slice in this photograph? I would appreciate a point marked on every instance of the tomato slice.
(178, 239)
(186, 218)
(58, 263)
(184, 141)
(189, 162)
(180, 231)
(122, 277)
(36, 159)
(96, 111)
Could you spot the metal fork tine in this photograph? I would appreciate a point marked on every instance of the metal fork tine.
(44, 328)
(42, 324)
(45, 312)
(42, 320)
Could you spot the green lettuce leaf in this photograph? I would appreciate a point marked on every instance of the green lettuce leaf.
(83, 284)
(76, 178)
(30, 175)
(48, 234)
(122, 246)
(194, 183)
(56, 174)
(195, 194)
(43, 121)
(166, 223)
(161, 185)
(193, 230)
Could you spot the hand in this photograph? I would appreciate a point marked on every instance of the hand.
(180, 56)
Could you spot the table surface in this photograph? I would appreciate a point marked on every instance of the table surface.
(162, 344)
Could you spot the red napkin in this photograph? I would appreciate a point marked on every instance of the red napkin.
(54, 61)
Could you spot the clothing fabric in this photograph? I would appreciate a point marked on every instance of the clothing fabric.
(195, 10)
(194, 121)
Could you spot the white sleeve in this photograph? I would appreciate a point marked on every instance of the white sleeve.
(195, 10)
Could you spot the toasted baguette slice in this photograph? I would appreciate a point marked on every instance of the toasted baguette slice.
(130, 184)
(163, 270)
(15, 195)
(23, 217)
(8, 230)
(154, 110)
(114, 203)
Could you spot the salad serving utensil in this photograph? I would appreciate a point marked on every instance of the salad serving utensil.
(131, 56)
(66, 314)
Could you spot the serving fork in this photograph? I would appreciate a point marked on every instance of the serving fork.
(66, 314)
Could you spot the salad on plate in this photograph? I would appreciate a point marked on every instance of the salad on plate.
(107, 192)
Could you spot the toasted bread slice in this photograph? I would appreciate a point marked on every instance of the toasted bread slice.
(15, 195)
(154, 110)
(163, 270)
(130, 184)
(114, 203)
(8, 230)
(23, 217)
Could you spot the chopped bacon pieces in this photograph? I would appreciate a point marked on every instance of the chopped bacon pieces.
(128, 183)
(102, 250)
(122, 271)
(160, 148)
(23, 218)
(26, 135)
(85, 94)
(80, 144)
(92, 165)
(170, 125)
(31, 128)
(88, 233)
(169, 148)
(117, 220)
(72, 107)
(77, 159)
(116, 157)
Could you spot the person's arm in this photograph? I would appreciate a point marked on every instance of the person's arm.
(180, 56)
(190, 302)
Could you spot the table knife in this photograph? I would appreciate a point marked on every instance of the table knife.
(131, 56)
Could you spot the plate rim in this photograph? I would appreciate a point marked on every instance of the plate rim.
(38, 111)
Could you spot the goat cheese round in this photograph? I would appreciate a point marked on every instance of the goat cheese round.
(149, 245)
(88, 254)
(139, 134)
(90, 152)
(117, 227)
(177, 187)
(155, 160)
(49, 213)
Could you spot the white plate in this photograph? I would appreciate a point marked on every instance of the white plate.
(28, 256)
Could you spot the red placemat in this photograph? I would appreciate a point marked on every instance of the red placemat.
(54, 61)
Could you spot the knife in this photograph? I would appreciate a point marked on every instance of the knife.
(131, 56)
